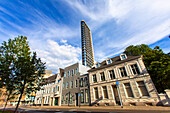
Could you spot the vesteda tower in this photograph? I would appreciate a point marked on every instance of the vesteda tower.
(87, 45)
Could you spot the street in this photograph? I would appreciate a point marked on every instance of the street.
(83, 110)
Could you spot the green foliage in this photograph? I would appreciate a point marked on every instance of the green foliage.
(7, 60)
(20, 70)
(6, 111)
(156, 62)
(136, 50)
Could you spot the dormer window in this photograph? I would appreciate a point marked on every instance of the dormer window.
(97, 65)
(123, 56)
(108, 61)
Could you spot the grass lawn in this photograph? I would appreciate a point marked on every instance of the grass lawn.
(8, 111)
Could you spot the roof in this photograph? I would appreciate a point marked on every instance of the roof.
(115, 60)
(51, 79)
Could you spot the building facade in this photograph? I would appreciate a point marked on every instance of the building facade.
(49, 94)
(3, 96)
(29, 100)
(87, 45)
(84, 90)
(14, 100)
(71, 93)
(122, 80)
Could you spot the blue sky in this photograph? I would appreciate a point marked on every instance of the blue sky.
(53, 26)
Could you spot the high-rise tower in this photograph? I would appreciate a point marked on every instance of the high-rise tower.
(87, 46)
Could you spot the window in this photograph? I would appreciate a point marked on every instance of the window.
(123, 72)
(105, 94)
(1, 94)
(67, 85)
(142, 88)
(96, 93)
(102, 76)
(94, 78)
(71, 72)
(81, 82)
(82, 96)
(123, 57)
(48, 99)
(71, 98)
(66, 99)
(56, 89)
(128, 90)
(135, 69)
(63, 85)
(112, 74)
(68, 74)
(76, 71)
(64, 75)
(76, 83)
(84, 63)
(108, 61)
(45, 100)
(53, 89)
(71, 84)
(85, 81)
(86, 96)
(62, 100)
(97, 65)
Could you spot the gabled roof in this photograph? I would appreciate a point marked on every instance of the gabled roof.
(115, 60)
(51, 79)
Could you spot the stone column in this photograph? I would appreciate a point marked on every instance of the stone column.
(42, 101)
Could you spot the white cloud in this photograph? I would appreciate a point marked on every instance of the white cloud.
(63, 41)
(39, 24)
(100, 11)
(137, 22)
(114, 25)
(58, 56)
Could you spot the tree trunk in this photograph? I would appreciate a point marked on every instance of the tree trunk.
(6, 102)
(22, 90)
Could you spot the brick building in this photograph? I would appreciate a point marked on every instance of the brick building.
(71, 85)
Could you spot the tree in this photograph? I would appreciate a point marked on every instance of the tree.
(26, 69)
(7, 76)
(156, 62)
(136, 50)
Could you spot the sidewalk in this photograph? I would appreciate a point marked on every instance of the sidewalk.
(107, 107)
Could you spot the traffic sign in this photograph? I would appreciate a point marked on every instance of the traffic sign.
(79, 94)
(117, 83)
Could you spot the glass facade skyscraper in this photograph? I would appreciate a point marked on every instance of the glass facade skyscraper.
(87, 46)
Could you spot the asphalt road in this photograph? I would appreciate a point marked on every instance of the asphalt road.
(67, 110)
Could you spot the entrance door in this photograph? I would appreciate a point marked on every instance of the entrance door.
(56, 101)
(116, 95)
(77, 99)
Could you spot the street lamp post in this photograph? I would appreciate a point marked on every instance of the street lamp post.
(117, 84)
(79, 98)
(79, 92)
